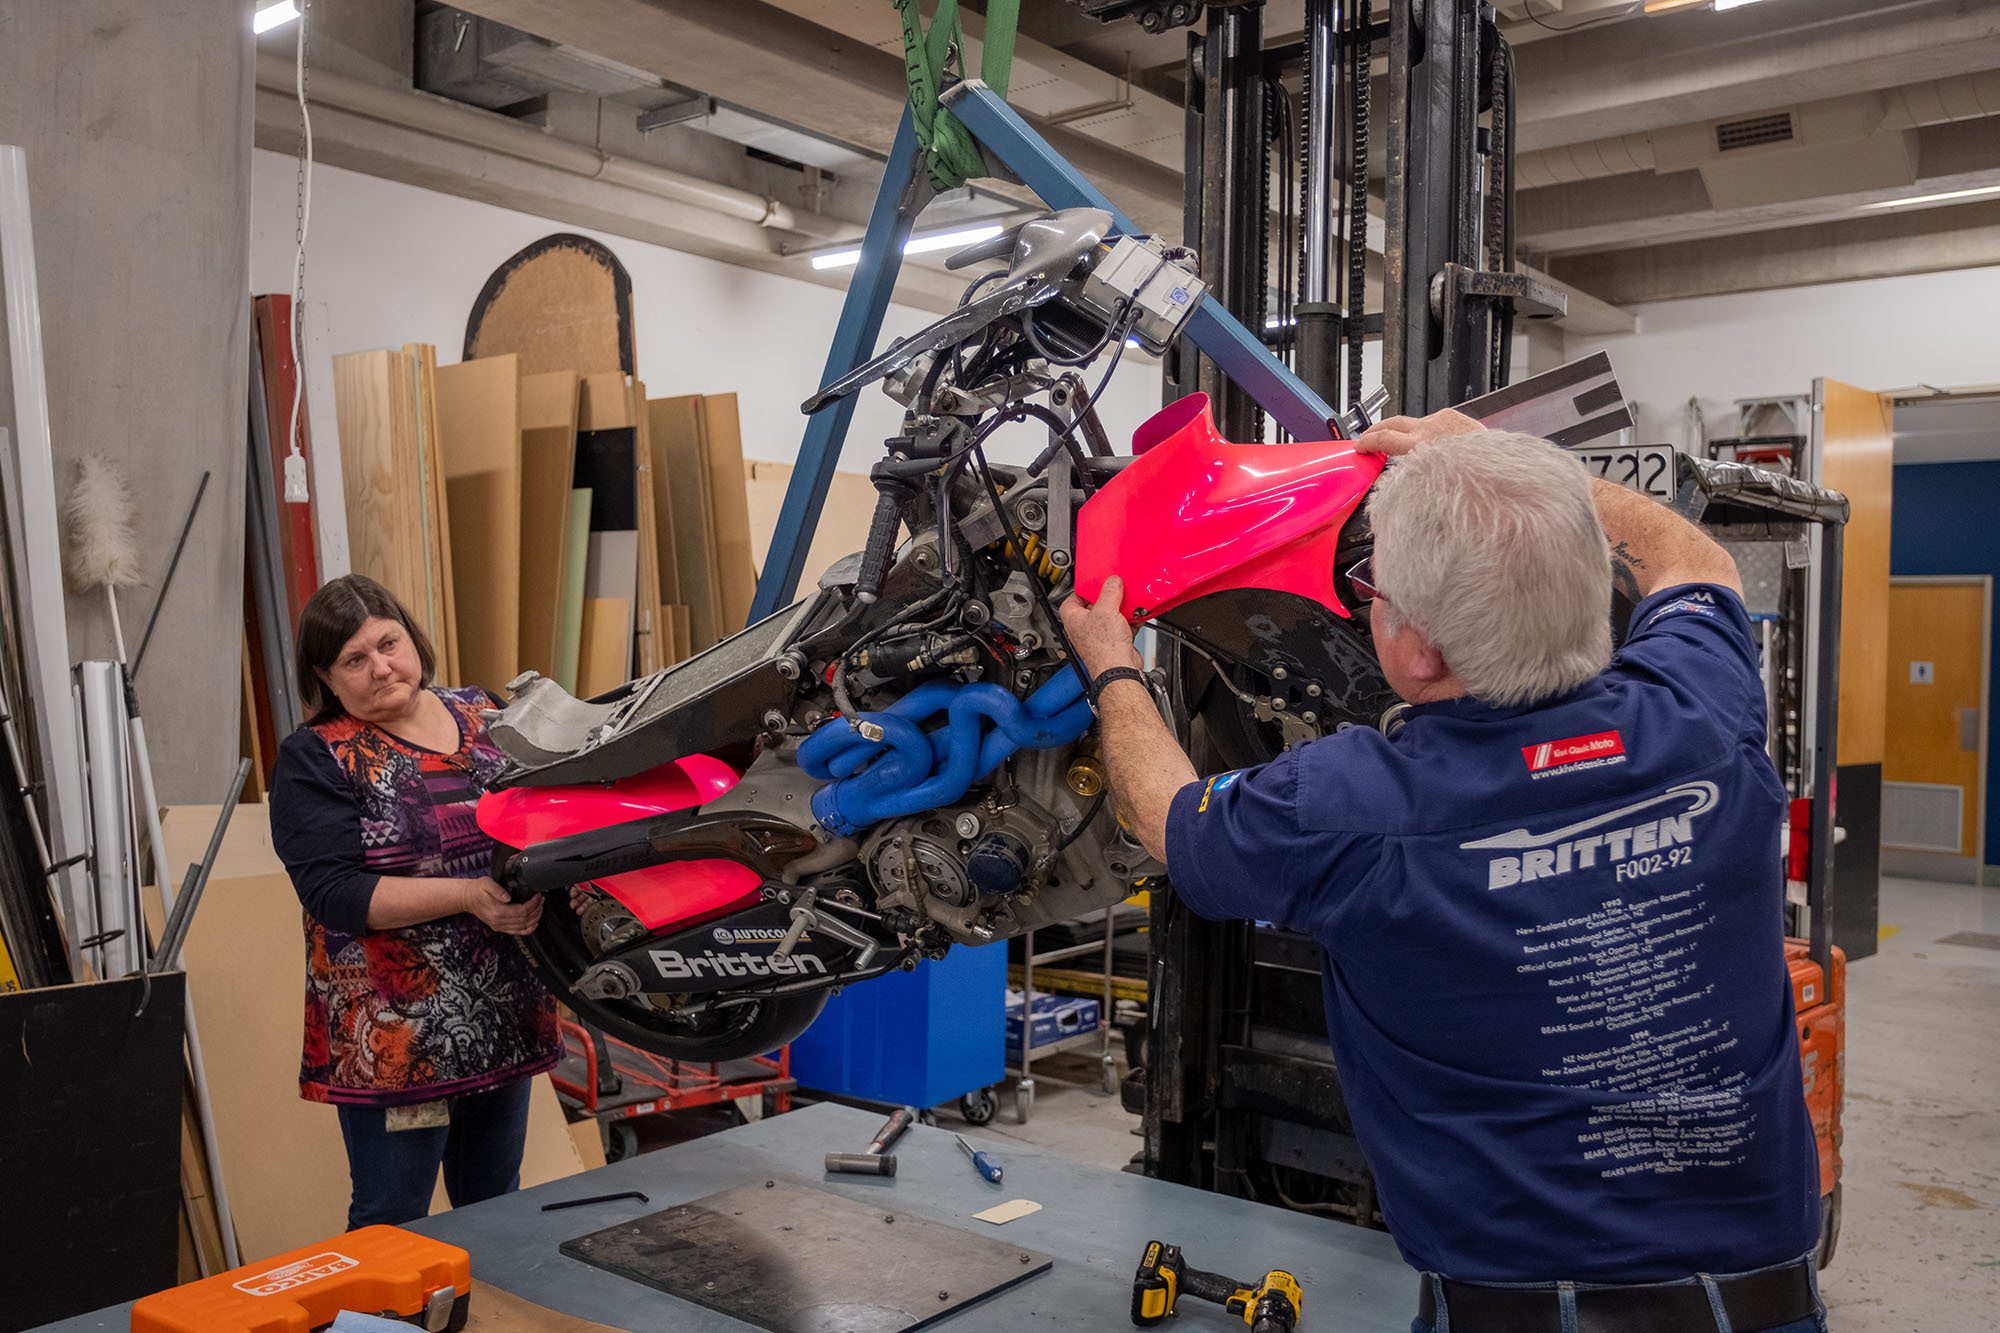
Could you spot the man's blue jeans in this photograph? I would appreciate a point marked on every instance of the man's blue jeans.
(394, 1171)
(1805, 1325)
(1816, 1324)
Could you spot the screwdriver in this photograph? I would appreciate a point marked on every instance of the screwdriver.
(985, 1165)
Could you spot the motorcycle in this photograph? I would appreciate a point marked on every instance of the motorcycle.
(904, 762)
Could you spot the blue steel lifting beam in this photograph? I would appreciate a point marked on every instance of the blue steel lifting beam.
(1239, 353)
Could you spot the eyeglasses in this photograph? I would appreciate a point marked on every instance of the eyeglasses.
(1362, 579)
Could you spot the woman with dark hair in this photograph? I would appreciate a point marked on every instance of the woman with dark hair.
(424, 1024)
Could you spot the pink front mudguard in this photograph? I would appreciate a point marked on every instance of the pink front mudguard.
(1196, 514)
(658, 895)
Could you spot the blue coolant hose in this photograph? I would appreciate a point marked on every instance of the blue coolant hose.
(911, 770)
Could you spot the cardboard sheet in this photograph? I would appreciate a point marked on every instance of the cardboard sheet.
(283, 1161)
(843, 522)
(569, 614)
(492, 1310)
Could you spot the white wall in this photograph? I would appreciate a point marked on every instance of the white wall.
(1883, 333)
(395, 263)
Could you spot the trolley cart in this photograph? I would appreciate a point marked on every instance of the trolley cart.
(615, 1083)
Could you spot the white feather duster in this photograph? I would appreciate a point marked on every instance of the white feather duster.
(99, 514)
(101, 551)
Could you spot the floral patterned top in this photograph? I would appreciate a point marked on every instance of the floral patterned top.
(420, 1012)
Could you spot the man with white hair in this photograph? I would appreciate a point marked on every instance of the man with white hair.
(1551, 904)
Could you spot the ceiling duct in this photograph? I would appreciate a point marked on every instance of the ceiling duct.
(1752, 131)
(1913, 106)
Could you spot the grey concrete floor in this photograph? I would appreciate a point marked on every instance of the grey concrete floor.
(1920, 1233)
(1920, 1237)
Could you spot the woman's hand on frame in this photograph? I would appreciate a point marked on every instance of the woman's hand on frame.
(485, 899)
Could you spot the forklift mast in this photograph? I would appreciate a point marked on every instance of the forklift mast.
(1240, 1093)
(1239, 1090)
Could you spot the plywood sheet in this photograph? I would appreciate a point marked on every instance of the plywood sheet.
(1857, 458)
(843, 522)
(283, 1161)
(438, 511)
(561, 303)
(381, 470)
(479, 428)
(652, 454)
(683, 632)
(678, 426)
(735, 567)
(648, 631)
(549, 413)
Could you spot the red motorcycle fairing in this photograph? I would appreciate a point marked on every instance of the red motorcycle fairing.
(1197, 514)
(657, 895)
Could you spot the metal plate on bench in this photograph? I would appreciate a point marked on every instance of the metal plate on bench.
(793, 1259)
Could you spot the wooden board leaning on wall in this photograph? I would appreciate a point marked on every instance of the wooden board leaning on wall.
(843, 521)
(395, 493)
(698, 453)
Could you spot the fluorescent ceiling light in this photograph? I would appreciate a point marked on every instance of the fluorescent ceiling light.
(1721, 5)
(1936, 198)
(270, 16)
(916, 245)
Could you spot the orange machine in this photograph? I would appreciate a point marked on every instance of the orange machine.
(376, 1270)
(1821, 1003)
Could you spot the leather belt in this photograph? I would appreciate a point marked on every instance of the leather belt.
(1769, 1298)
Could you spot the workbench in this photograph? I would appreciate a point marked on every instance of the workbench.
(1093, 1221)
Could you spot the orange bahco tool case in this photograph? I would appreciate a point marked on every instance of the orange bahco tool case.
(1821, 1004)
(383, 1271)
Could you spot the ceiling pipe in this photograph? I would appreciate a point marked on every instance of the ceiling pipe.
(1913, 106)
(493, 133)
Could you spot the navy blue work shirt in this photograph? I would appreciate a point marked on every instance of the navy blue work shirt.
(1555, 976)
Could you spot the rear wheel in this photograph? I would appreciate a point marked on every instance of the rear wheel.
(698, 1033)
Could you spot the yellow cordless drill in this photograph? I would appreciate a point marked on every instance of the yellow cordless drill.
(1269, 1305)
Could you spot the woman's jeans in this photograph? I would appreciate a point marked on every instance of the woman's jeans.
(395, 1171)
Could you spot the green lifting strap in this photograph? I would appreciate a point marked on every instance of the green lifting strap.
(950, 152)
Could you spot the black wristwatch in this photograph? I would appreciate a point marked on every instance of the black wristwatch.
(1104, 678)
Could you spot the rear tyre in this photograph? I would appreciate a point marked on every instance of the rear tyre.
(733, 1032)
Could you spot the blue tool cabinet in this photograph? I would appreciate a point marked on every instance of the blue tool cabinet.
(912, 1038)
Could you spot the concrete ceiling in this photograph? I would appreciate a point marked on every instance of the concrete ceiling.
(1628, 193)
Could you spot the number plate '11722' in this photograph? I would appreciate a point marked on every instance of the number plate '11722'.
(1645, 468)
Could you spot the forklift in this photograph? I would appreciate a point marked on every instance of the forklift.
(1238, 1089)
